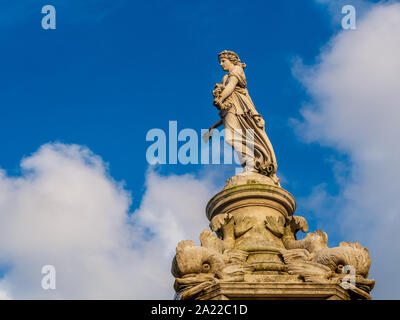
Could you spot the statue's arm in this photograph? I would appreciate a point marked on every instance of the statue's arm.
(233, 81)
(207, 135)
(217, 124)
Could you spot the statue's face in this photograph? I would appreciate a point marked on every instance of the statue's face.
(225, 64)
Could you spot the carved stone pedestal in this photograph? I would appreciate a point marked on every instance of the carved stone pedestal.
(273, 291)
(250, 215)
(254, 253)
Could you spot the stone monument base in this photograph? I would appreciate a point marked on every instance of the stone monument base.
(252, 251)
(276, 291)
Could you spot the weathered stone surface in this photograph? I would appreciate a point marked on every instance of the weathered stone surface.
(273, 291)
(252, 251)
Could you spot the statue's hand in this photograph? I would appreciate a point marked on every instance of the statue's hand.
(208, 135)
(217, 103)
(223, 104)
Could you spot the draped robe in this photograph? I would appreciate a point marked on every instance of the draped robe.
(245, 128)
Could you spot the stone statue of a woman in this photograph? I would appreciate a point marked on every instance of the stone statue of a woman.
(244, 126)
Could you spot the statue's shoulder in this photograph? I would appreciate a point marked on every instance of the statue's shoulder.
(237, 71)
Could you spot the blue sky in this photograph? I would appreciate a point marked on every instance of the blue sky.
(113, 70)
(105, 83)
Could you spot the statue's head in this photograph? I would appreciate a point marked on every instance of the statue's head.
(228, 59)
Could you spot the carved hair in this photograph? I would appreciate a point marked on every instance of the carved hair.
(232, 57)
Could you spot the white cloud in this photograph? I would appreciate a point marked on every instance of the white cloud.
(65, 210)
(4, 295)
(356, 110)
